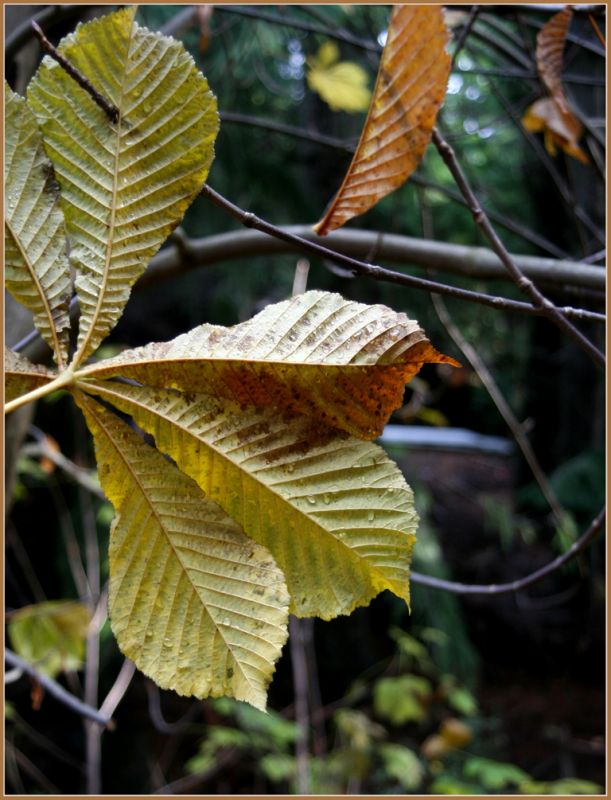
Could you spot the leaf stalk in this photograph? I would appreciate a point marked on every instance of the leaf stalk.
(63, 379)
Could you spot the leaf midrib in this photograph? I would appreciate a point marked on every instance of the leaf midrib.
(78, 356)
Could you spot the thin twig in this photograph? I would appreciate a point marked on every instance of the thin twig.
(502, 405)
(464, 34)
(291, 22)
(549, 310)
(111, 111)
(119, 687)
(250, 220)
(57, 691)
(521, 583)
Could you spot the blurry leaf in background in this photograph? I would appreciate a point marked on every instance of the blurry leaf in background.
(50, 635)
(409, 91)
(402, 764)
(341, 84)
(453, 735)
(357, 730)
(560, 129)
(402, 699)
(493, 775)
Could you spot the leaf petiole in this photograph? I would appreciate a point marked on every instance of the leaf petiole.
(63, 379)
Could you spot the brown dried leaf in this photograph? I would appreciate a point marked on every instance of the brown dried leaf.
(550, 48)
(409, 91)
(341, 362)
(559, 129)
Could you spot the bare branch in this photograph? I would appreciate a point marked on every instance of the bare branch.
(69, 700)
(548, 309)
(521, 583)
(369, 270)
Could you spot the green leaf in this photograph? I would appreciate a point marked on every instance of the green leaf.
(494, 775)
(21, 376)
(340, 362)
(402, 699)
(278, 767)
(197, 606)
(334, 511)
(124, 186)
(403, 765)
(37, 271)
(50, 635)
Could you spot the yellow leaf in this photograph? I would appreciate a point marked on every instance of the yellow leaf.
(197, 605)
(37, 270)
(340, 362)
(342, 85)
(50, 635)
(334, 511)
(126, 185)
(409, 91)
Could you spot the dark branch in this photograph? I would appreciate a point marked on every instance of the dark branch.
(521, 583)
(548, 309)
(357, 267)
(69, 700)
(111, 111)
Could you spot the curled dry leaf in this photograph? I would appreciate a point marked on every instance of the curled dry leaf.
(409, 91)
(559, 129)
(342, 363)
(553, 115)
(550, 49)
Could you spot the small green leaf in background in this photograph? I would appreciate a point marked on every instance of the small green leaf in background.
(341, 84)
(494, 775)
(278, 767)
(50, 635)
(402, 699)
(402, 764)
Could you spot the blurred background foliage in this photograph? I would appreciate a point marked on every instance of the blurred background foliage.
(476, 695)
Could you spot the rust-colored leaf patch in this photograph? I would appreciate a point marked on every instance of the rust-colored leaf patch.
(409, 91)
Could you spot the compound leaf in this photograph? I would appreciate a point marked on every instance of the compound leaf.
(409, 91)
(21, 376)
(339, 362)
(198, 606)
(334, 511)
(124, 185)
(37, 271)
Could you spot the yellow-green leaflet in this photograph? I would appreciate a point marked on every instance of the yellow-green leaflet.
(198, 606)
(334, 360)
(126, 185)
(36, 265)
(334, 511)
